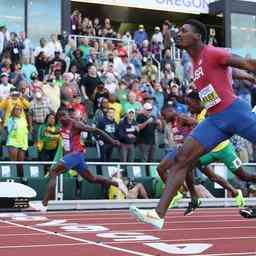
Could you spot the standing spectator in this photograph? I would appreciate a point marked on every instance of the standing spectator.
(48, 138)
(167, 59)
(28, 48)
(38, 111)
(17, 139)
(84, 47)
(5, 86)
(41, 48)
(97, 26)
(101, 111)
(88, 83)
(136, 61)
(127, 134)
(2, 38)
(58, 63)
(16, 99)
(129, 75)
(150, 70)
(146, 138)
(53, 46)
(157, 43)
(28, 70)
(108, 125)
(42, 65)
(140, 35)
(167, 35)
(75, 22)
(131, 103)
(122, 92)
(14, 48)
(77, 59)
(108, 29)
(52, 90)
(116, 106)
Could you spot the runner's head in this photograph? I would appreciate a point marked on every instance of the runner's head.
(193, 102)
(168, 114)
(192, 33)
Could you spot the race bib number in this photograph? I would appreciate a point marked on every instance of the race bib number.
(209, 97)
(66, 141)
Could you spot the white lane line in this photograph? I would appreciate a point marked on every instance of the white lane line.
(39, 245)
(133, 230)
(230, 254)
(131, 217)
(188, 239)
(76, 239)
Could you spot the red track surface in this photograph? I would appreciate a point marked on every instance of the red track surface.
(111, 233)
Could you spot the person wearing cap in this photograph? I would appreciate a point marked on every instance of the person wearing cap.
(129, 75)
(157, 43)
(127, 188)
(5, 86)
(150, 70)
(127, 135)
(147, 124)
(140, 35)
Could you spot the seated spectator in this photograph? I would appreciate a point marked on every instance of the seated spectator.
(127, 189)
(42, 48)
(108, 125)
(16, 76)
(136, 61)
(17, 138)
(127, 134)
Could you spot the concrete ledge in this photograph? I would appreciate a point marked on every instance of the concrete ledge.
(142, 203)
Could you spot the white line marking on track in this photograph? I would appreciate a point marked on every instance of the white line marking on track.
(133, 230)
(38, 245)
(77, 239)
(230, 254)
(190, 239)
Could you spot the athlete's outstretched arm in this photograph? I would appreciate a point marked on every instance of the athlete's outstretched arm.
(240, 74)
(87, 128)
(242, 63)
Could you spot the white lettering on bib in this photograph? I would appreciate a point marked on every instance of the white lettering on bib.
(66, 141)
(209, 97)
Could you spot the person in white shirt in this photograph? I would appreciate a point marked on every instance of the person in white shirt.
(5, 87)
(54, 46)
(42, 48)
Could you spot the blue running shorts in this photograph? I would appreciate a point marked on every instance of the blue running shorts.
(75, 160)
(238, 119)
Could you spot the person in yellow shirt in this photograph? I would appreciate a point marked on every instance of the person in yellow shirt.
(7, 105)
(116, 106)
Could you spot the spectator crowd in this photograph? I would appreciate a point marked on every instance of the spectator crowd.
(116, 82)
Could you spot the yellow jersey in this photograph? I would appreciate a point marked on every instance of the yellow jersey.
(200, 117)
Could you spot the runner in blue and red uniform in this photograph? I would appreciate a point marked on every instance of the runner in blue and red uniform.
(227, 115)
(74, 154)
